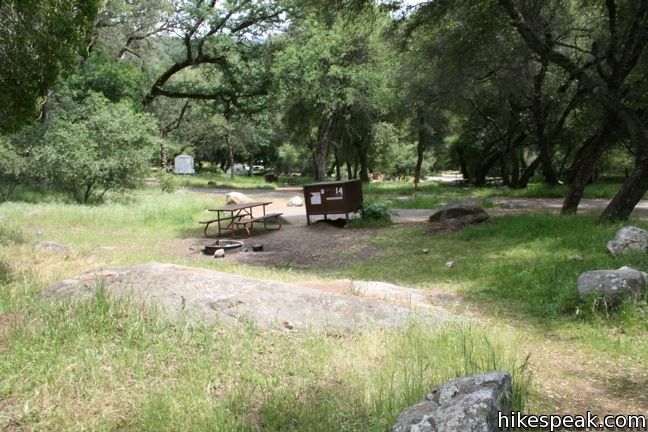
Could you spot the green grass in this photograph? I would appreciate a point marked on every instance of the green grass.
(224, 181)
(519, 267)
(522, 260)
(108, 365)
(105, 365)
(434, 194)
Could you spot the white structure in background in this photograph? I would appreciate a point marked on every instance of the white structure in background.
(184, 164)
(240, 169)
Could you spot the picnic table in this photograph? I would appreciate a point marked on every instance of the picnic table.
(239, 216)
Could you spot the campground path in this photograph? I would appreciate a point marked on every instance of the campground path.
(506, 205)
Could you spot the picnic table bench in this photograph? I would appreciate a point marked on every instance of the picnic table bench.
(248, 224)
(240, 216)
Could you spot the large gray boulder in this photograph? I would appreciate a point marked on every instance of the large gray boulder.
(199, 294)
(237, 198)
(627, 239)
(456, 215)
(613, 285)
(467, 404)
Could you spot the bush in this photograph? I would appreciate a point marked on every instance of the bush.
(373, 213)
(96, 146)
(167, 182)
(13, 167)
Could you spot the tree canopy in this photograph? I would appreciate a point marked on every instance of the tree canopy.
(506, 91)
(39, 39)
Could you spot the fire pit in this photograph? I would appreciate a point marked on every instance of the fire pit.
(221, 244)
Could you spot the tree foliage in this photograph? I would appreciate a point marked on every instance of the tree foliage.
(507, 91)
(38, 40)
(96, 146)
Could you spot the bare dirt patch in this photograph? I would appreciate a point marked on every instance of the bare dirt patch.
(295, 245)
(575, 382)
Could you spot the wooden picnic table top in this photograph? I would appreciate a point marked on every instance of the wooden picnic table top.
(235, 207)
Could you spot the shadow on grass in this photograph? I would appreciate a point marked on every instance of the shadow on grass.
(527, 263)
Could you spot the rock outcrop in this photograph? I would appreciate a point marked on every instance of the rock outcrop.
(467, 404)
(455, 216)
(237, 198)
(296, 201)
(613, 285)
(628, 239)
(211, 296)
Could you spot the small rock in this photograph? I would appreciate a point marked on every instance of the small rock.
(627, 239)
(295, 201)
(466, 404)
(613, 285)
(51, 246)
(426, 251)
(576, 258)
(288, 325)
(455, 216)
(220, 253)
(237, 198)
(451, 264)
(257, 248)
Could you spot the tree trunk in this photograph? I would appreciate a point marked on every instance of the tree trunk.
(320, 167)
(528, 173)
(331, 170)
(322, 149)
(636, 185)
(163, 155)
(420, 148)
(515, 168)
(504, 173)
(338, 174)
(230, 150)
(349, 172)
(482, 169)
(546, 160)
(631, 192)
(587, 157)
(364, 168)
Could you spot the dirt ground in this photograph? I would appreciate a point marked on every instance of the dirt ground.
(295, 245)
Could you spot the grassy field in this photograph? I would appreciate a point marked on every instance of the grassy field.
(400, 194)
(223, 180)
(107, 365)
(435, 194)
(523, 267)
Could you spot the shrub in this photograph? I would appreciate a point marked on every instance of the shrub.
(376, 210)
(13, 167)
(167, 182)
(96, 146)
(373, 213)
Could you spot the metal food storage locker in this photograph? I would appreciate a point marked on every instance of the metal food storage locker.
(339, 197)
